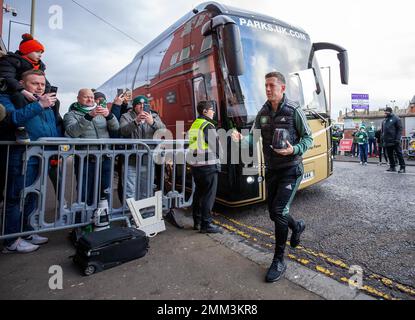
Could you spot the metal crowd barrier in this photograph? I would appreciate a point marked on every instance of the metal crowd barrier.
(55, 199)
(405, 145)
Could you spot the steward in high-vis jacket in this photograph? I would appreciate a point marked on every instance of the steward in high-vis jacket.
(204, 157)
(284, 168)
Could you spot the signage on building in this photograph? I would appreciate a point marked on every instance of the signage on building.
(360, 101)
(346, 145)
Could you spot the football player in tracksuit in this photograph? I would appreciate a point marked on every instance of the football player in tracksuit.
(284, 168)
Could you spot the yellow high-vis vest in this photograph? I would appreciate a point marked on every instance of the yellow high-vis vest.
(197, 137)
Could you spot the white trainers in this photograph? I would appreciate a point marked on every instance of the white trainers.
(20, 246)
(36, 239)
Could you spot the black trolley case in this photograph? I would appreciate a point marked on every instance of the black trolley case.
(109, 248)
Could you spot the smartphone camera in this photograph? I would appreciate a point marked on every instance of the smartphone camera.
(147, 108)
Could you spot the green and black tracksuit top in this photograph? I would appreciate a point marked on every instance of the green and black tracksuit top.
(291, 117)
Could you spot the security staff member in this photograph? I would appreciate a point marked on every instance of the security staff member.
(204, 158)
(284, 168)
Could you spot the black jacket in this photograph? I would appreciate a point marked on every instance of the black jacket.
(12, 67)
(391, 130)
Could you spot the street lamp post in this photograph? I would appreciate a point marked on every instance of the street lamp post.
(32, 18)
(10, 28)
(329, 86)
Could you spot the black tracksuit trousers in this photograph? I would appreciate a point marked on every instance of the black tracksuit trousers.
(206, 180)
(396, 149)
(282, 185)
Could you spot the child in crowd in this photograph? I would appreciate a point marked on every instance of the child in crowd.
(362, 140)
(12, 66)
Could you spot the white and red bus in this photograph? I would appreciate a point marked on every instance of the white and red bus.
(221, 53)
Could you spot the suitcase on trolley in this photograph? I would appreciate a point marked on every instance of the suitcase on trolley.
(99, 251)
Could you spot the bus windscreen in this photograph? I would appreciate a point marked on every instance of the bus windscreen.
(269, 47)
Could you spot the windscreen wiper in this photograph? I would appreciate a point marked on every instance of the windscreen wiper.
(317, 115)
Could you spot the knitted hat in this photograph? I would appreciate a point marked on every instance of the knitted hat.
(29, 45)
(99, 95)
(389, 109)
(140, 99)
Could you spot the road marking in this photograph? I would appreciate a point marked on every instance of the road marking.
(325, 271)
(385, 281)
(369, 289)
(338, 263)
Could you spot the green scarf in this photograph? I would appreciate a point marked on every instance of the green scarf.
(83, 109)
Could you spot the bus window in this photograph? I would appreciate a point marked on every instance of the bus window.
(199, 91)
(206, 44)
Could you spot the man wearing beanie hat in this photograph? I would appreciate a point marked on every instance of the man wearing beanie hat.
(139, 123)
(392, 135)
(99, 97)
(13, 66)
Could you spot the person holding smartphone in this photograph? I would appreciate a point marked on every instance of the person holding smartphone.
(139, 123)
(122, 104)
(87, 120)
(38, 118)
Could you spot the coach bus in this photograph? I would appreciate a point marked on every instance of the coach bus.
(221, 53)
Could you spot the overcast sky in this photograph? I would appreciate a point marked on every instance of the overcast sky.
(379, 35)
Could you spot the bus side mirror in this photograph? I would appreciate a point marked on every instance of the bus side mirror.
(342, 56)
(232, 44)
(344, 66)
(233, 50)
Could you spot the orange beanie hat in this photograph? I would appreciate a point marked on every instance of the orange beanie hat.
(29, 45)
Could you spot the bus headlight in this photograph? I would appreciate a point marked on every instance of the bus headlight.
(250, 180)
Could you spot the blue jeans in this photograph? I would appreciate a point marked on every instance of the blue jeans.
(16, 182)
(363, 150)
(105, 176)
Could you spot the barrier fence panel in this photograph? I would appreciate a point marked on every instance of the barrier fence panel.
(405, 145)
(56, 184)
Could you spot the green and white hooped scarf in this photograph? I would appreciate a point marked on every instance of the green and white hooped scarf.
(84, 109)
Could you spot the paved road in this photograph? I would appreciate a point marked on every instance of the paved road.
(360, 216)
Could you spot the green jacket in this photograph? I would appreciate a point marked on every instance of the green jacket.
(362, 137)
(371, 132)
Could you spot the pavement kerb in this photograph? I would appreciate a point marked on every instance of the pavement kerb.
(310, 280)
